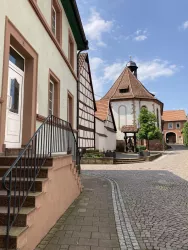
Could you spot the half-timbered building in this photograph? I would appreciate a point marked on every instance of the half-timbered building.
(86, 105)
(105, 126)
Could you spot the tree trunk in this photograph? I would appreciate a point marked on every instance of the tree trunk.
(147, 144)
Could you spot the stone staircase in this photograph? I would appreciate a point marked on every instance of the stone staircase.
(128, 160)
(20, 232)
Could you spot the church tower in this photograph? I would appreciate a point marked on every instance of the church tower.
(133, 67)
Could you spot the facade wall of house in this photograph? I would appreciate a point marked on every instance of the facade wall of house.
(110, 140)
(127, 113)
(175, 128)
(105, 139)
(86, 108)
(45, 7)
(48, 55)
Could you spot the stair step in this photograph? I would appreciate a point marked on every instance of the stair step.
(42, 174)
(13, 151)
(9, 160)
(15, 232)
(29, 202)
(128, 161)
(21, 220)
(22, 185)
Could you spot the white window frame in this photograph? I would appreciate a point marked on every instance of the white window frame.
(179, 125)
(51, 111)
(54, 20)
(170, 123)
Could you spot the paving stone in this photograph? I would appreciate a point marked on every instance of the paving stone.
(82, 234)
(68, 241)
(90, 228)
(79, 248)
(101, 248)
(154, 196)
(52, 247)
(75, 228)
(88, 242)
(99, 235)
(108, 243)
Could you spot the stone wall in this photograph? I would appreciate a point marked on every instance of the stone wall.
(105, 160)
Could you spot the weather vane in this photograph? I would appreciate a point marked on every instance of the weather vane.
(130, 58)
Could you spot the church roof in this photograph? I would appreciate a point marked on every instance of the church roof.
(102, 109)
(127, 86)
(174, 115)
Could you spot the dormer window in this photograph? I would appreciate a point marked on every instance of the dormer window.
(126, 90)
(56, 20)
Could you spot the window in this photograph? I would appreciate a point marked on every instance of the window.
(170, 125)
(51, 98)
(70, 104)
(53, 95)
(56, 20)
(124, 90)
(178, 125)
(71, 51)
(144, 107)
(122, 116)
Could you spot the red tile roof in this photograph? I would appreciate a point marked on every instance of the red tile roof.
(102, 109)
(135, 88)
(174, 115)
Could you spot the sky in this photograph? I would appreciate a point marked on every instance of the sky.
(155, 35)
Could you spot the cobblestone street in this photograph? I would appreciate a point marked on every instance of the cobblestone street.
(155, 197)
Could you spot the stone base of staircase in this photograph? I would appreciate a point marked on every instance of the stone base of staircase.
(57, 186)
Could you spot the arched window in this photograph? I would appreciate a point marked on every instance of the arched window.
(122, 113)
(144, 106)
(157, 117)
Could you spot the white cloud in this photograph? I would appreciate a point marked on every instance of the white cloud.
(150, 70)
(96, 26)
(184, 25)
(140, 38)
(140, 35)
(105, 74)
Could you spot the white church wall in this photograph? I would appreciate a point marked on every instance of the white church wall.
(122, 119)
(127, 118)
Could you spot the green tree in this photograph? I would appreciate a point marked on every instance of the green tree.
(148, 129)
(185, 134)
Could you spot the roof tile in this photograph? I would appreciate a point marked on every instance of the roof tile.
(102, 109)
(128, 81)
(174, 115)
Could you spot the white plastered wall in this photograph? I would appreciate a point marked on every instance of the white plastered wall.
(29, 25)
(128, 118)
(104, 139)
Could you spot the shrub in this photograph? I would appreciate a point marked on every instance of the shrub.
(141, 148)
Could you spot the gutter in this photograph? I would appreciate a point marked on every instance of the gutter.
(77, 15)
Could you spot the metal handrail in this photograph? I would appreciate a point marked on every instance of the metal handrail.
(53, 136)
